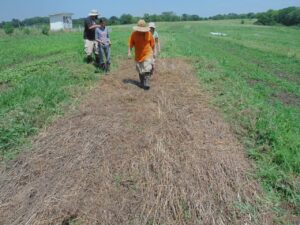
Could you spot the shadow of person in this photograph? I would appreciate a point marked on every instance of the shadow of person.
(134, 82)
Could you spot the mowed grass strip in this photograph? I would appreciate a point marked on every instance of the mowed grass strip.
(254, 76)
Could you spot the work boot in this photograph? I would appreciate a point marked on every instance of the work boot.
(103, 67)
(142, 80)
(107, 67)
(147, 81)
(89, 59)
(97, 60)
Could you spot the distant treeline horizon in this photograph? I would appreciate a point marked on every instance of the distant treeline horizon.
(287, 16)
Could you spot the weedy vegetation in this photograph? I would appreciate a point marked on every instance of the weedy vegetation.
(252, 74)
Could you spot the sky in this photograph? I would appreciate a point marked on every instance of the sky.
(21, 9)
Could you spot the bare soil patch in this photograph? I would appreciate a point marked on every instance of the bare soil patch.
(288, 99)
(286, 76)
(129, 156)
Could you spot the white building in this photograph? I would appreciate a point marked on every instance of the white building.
(61, 21)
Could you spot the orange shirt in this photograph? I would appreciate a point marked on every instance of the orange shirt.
(143, 44)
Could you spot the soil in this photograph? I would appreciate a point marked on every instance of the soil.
(288, 99)
(130, 156)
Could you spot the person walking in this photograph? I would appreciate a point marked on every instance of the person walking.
(156, 38)
(103, 40)
(143, 43)
(90, 45)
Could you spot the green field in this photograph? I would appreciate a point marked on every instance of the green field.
(252, 74)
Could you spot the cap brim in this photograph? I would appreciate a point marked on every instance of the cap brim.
(93, 14)
(141, 29)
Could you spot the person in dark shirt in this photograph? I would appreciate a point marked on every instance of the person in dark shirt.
(90, 44)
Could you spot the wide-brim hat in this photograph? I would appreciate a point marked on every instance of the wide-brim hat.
(94, 12)
(141, 26)
(151, 24)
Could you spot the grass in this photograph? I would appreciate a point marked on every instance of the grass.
(38, 77)
(252, 74)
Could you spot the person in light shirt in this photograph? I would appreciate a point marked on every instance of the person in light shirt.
(156, 38)
(103, 40)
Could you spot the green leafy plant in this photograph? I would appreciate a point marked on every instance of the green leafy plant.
(26, 31)
(8, 28)
(45, 30)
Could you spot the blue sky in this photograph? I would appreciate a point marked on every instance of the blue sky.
(21, 9)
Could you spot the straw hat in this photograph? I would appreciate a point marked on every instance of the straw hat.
(151, 24)
(94, 12)
(141, 26)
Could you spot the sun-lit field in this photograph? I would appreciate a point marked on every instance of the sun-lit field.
(252, 75)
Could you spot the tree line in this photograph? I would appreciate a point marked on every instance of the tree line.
(287, 16)
(129, 19)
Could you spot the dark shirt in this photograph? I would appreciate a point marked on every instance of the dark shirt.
(89, 33)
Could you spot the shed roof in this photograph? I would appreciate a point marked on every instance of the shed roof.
(62, 14)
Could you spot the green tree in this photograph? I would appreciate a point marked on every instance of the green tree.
(114, 20)
(185, 17)
(36, 21)
(146, 17)
(8, 28)
(289, 16)
(16, 23)
(45, 30)
(267, 18)
(155, 18)
(126, 19)
(194, 18)
(169, 16)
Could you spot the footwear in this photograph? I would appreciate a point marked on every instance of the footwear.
(142, 78)
(103, 67)
(89, 59)
(107, 67)
(147, 81)
(97, 60)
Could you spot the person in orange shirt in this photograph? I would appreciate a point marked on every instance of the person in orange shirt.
(143, 43)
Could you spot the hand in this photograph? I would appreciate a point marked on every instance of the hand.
(129, 55)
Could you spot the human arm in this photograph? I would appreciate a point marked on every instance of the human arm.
(130, 45)
(92, 27)
(108, 38)
(91, 24)
(129, 52)
(152, 44)
(157, 42)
